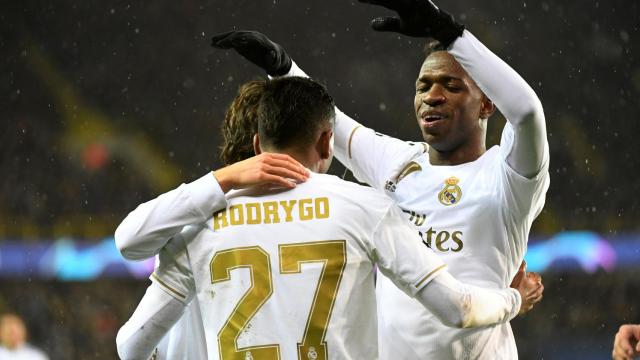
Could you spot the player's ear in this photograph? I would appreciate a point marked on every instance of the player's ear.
(256, 144)
(325, 144)
(487, 108)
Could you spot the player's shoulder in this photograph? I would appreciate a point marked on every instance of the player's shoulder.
(351, 192)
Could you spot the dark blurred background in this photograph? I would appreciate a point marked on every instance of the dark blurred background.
(106, 104)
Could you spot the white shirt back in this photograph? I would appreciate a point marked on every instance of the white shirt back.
(291, 275)
(185, 340)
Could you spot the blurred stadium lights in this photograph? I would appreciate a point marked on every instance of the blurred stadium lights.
(69, 260)
(581, 250)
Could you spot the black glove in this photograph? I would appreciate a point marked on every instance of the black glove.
(257, 48)
(417, 18)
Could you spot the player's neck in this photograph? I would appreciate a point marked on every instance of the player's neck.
(462, 154)
(308, 159)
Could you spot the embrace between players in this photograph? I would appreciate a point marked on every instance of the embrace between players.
(270, 258)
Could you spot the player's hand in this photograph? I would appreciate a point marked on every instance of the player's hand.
(626, 345)
(266, 169)
(417, 18)
(257, 48)
(530, 287)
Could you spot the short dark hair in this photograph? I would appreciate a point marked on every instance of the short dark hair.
(291, 111)
(431, 47)
(241, 123)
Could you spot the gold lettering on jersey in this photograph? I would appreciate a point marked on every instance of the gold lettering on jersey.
(415, 218)
(254, 213)
(236, 215)
(452, 193)
(288, 208)
(443, 240)
(456, 237)
(306, 209)
(271, 212)
(322, 208)
(220, 220)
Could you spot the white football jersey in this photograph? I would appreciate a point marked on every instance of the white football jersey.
(476, 216)
(290, 275)
(185, 340)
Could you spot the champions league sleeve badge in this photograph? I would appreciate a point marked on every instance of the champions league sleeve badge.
(451, 194)
(390, 185)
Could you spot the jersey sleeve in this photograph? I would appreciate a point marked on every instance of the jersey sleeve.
(374, 158)
(461, 305)
(523, 166)
(155, 315)
(400, 254)
(529, 152)
(173, 271)
(524, 197)
(294, 71)
(147, 229)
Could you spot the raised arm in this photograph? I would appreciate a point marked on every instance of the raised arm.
(525, 138)
(150, 226)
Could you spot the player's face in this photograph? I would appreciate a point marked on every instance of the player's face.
(448, 103)
(12, 332)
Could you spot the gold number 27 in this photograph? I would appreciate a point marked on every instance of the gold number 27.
(332, 255)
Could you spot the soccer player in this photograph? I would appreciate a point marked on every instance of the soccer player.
(290, 274)
(13, 340)
(626, 345)
(185, 339)
(473, 206)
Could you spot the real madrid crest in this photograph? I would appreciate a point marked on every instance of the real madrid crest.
(451, 194)
(312, 354)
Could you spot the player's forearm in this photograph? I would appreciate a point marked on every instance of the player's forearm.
(152, 319)
(463, 306)
(513, 97)
(148, 228)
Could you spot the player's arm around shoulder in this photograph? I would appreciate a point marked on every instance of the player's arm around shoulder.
(148, 228)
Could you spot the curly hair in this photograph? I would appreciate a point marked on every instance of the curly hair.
(241, 123)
